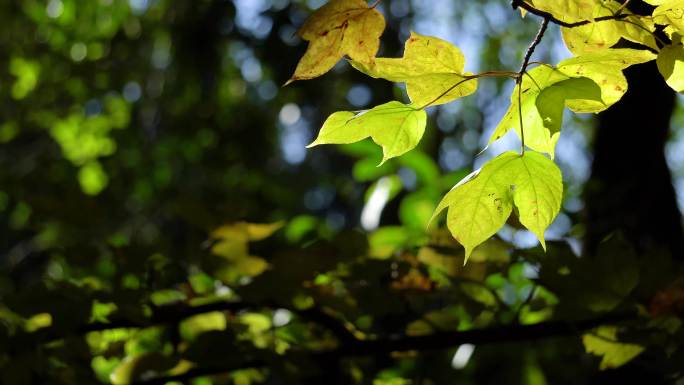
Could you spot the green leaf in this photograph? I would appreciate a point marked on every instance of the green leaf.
(603, 342)
(604, 34)
(588, 83)
(341, 27)
(385, 240)
(134, 369)
(540, 134)
(479, 205)
(395, 126)
(671, 65)
(431, 68)
(552, 100)
(537, 192)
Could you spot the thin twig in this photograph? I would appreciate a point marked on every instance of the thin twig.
(533, 45)
(523, 70)
(520, 118)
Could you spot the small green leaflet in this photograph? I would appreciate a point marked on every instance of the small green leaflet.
(671, 65)
(542, 132)
(587, 83)
(431, 68)
(603, 342)
(480, 204)
(395, 126)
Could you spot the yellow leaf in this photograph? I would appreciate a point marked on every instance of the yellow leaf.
(670, 12)
(341, 27)
(671, 65)
(604, 34)
(605, 69)
(431, 68)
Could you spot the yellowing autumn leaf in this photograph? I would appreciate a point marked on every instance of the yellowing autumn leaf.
(567, 11)
(395, 126)
(341, 27)
(605, 69)
(670, 13)
(480, 204)
(601, 35)
(431, 68)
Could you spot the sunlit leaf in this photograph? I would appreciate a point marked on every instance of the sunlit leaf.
(671, 65)
(431, 68)
(604, 34)
(670, 13)
(341, 27)
(132, 368)
(605, 69)
(395, 126)
(541, 133)
(479, 206)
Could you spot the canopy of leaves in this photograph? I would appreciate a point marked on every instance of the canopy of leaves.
(162, 222)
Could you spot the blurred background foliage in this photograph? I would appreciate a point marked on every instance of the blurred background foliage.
(161, 220)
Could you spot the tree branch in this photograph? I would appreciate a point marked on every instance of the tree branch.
(546, 15)
(170, 314)
(533, 45)
(519, 78)
(436, 341)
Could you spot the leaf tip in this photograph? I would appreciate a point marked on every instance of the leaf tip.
(385, 158)
(542, 241)
(468, 251)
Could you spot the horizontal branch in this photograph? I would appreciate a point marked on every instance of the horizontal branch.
(546, 15)
(436, 341)
(170, 314)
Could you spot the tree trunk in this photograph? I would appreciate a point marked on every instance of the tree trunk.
(630, 189)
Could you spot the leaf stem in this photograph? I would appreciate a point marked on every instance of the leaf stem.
(486, 74)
